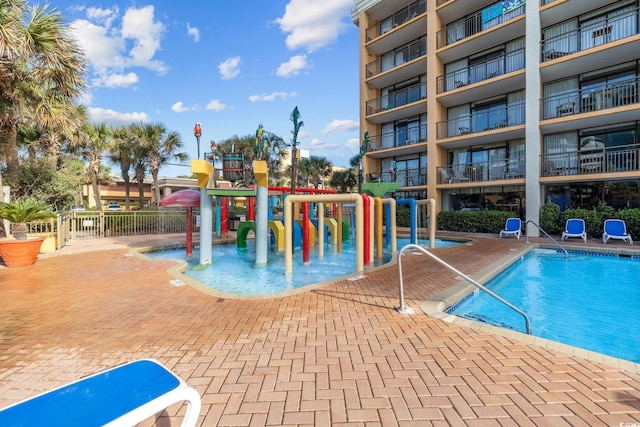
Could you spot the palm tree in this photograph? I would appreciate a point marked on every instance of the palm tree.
(297, 124)
(42, 71)
(90, 143)
(319, 168)
(121, 152)
(161, 147)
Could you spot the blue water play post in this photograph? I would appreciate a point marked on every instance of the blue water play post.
(413, 207)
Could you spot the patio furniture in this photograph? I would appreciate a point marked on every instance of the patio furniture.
(124, 395)
(574, 227)
(616, 229)
(512, 227)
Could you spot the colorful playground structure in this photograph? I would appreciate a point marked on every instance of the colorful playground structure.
(303, 224)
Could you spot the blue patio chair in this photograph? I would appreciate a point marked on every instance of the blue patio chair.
(513, 226)
(121, 396)
(574, 227)
(616, 229)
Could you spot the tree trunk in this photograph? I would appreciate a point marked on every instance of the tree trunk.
(96, 189)
(10, 148)
(156, 188)
(294, 171)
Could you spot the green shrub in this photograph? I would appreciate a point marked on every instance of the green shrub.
(631, 217)
(473, 221)
(550, 218)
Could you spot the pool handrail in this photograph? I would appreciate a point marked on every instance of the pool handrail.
(403, 309)
(566, 254)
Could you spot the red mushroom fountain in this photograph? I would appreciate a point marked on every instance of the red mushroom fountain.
(188, 199)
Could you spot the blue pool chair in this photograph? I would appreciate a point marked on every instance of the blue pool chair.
(616, 229)
(512, 227)
(574, 227)
(121, 396)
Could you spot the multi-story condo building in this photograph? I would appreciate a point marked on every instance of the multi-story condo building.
(502, 105)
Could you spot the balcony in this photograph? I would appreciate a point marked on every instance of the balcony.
(406, 178)
(607, 42)
(398, 65)
(481, 71)
(497, 118)
(507, 27)
(617, 102)
(588, 161)
(407, 139)
(495, 170)
(400, 28)
(398, 104)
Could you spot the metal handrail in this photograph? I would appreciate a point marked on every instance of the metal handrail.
(403, 309)
(566, 254)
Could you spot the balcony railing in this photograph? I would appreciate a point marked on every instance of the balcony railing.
(483, 120)
(406, 178)
(589, 36)
(480, 21)
(398, 138)
(481, 71)
(397, 58)
(398, 18)
(397, 99)
(591, 99)
(494, 170)
(589, 161)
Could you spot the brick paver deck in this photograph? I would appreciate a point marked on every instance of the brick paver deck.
(340, 355)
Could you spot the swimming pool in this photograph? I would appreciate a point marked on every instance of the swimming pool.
(588, 301)
(233, 271)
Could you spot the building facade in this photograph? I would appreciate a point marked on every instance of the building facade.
(502, 105)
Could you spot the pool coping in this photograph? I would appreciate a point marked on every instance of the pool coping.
(180, 266)
(436, 305)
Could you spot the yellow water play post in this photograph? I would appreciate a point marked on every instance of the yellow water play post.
(323, 198)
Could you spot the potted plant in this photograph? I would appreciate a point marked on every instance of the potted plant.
(20, 250)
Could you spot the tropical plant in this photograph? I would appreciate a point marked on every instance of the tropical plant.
(297, 124)
(42, 72)
(121, 152)
(90, 143)
(343, 180)
(20, 212)
(161, 146)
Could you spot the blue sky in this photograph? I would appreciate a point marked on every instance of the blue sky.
(227, 64)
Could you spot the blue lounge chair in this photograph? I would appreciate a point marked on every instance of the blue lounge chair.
(121, 396)
(574, 227)
(616, 229)
(512, 227)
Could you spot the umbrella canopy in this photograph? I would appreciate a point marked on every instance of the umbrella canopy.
(183, 198)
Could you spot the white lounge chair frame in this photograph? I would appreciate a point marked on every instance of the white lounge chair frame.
(507, 231)
(566, 234)
(625, 237)
(90, 401)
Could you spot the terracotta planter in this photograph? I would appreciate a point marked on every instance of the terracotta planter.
(16, 253)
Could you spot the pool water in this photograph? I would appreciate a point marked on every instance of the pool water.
(232, 270)
(588, 300)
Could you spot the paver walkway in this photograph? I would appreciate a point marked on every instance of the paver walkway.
(340, 355)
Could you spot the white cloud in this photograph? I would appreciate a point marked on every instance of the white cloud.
(216, 105)
(114, 44)
(114, 118)
(229, 68)
(179, 107)
(293, 66)
(313, 24)
(317, 143)
(115, 80)
(139, 25)
(194, 32)
(339, 126)
(272, 96)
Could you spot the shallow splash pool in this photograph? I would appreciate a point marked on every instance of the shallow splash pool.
(233, 271)
(588, 301)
